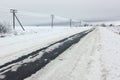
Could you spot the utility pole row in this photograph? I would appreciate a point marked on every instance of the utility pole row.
(14, 11)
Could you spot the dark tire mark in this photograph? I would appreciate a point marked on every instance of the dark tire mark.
(26, 69)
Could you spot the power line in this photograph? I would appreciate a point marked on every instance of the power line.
(38, 15)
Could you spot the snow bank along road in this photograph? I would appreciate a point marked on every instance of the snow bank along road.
(27, 65)
(95, 57)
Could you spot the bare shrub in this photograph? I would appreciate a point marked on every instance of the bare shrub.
(103, 25)
(4, 28)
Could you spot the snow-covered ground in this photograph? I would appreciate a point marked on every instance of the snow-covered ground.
(95, 57)
(115, 29)
(34, 38)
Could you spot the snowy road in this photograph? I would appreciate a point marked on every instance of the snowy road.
(29, 64)
(74, 63)
(95, 57)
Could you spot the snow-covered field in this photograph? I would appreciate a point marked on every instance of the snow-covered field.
(94, 57)
(115, 29)
(34, 38)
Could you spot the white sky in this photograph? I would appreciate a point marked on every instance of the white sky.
(77, 9)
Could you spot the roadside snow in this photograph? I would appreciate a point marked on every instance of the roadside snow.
(95, 57)
(110, 55)
(115, 29)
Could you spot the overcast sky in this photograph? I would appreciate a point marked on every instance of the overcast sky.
(77, 9)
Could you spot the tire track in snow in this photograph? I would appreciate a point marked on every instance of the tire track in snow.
(27, 65)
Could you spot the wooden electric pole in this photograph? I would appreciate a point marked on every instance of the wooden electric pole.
(13, 11)
(52, 20)
(70, 22)
(80, 24)
(20, 23)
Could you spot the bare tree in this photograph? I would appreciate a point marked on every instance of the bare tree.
(4, 28)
